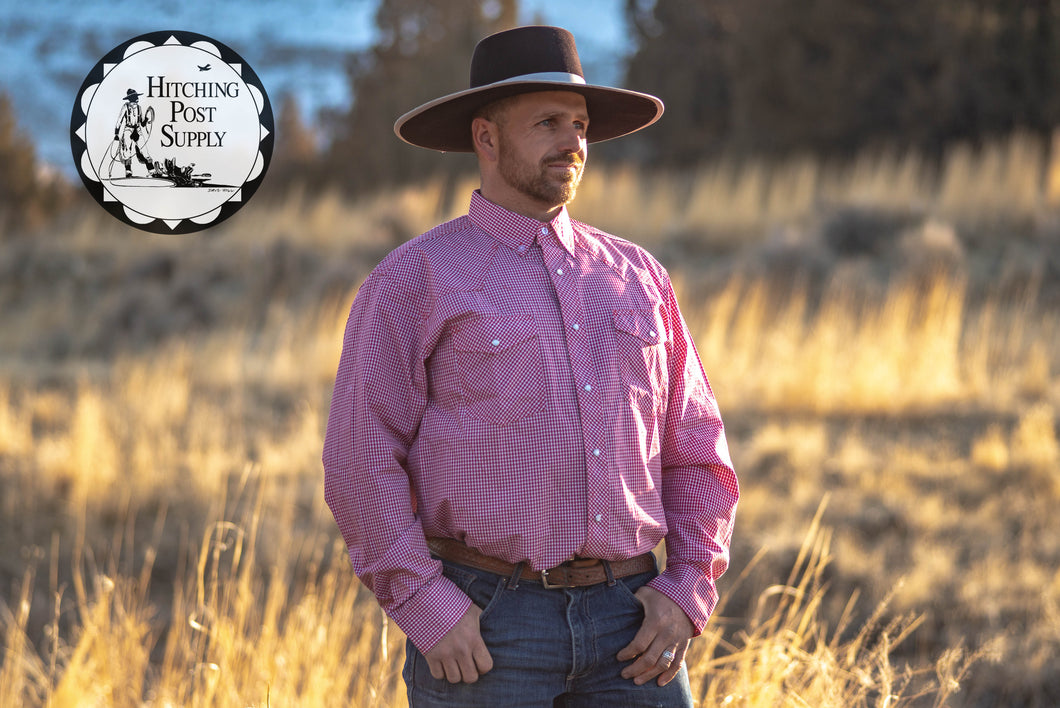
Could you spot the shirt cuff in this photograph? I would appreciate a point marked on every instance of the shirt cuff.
(693, 591)
(429, 614)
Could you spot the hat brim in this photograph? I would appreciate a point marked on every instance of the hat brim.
(445, 123)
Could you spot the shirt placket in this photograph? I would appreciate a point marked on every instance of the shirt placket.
(568, 287)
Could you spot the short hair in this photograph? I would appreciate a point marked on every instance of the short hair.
(494, 110)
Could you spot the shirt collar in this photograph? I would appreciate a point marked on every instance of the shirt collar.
(515, 230)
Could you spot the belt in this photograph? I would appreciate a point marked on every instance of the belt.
(577, 573)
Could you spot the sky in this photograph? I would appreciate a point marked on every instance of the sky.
(47, 47)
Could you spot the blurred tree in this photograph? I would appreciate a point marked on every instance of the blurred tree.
(1006, 56)
(296, 147)
(684, 56)
(26, 197)
(423, 52)
(831, 76)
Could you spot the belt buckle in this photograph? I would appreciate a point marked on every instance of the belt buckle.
(546, 584)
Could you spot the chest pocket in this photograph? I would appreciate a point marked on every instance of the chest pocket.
(502, 375)
(641, 343)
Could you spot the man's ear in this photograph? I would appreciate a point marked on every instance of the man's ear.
(484, 138)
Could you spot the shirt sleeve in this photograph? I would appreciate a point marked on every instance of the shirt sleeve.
(699, 486)
(379, 400)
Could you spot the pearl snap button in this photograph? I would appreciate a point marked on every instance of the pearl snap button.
(495, 342)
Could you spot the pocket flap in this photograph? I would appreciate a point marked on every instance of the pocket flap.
(493, 333)
(641, 324)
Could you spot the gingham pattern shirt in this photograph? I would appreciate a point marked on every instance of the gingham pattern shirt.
(530, 389)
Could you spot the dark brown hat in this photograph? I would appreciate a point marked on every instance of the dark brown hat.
(523, 60)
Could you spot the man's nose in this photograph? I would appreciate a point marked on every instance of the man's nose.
(572, 139)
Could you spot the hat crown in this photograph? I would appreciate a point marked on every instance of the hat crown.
(524, 51)
(525, 60)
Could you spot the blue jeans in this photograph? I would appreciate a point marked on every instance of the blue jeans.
(550, 648)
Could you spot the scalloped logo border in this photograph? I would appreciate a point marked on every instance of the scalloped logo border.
(172, 132)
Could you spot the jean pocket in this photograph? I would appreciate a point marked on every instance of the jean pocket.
(460, 576)
(502, 374)
(628, 586)
(484, 589)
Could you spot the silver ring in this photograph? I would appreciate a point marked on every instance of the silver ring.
(667, 657)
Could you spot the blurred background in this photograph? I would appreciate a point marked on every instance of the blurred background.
(859, 202)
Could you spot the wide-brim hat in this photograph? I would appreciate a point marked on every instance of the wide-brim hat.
(523, 60)
(132, 95)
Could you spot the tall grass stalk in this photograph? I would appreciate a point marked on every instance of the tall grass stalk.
(299, 630)
(790, 655)
(207, 442)
(239, 630)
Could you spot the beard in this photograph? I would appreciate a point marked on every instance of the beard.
(539, 181)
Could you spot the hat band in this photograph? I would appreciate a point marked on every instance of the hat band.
(556, 76)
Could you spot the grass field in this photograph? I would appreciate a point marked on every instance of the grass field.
(881, 335)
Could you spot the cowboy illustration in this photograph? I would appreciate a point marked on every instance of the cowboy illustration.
(131, 133)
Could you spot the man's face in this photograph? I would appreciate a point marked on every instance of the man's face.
(542, 148)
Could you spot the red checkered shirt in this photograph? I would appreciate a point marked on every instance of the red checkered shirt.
(530, 389)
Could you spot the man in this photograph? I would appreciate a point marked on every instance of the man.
(520, 417)
(131, 131)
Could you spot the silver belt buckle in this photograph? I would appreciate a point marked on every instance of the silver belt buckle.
(546, 584)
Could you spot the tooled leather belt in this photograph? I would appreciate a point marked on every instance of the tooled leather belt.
(577, 573)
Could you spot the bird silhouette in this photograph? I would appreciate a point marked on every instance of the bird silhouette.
(203, 68)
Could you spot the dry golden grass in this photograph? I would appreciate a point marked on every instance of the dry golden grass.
(916, 348)
(162, 405)
(295, 632)
(248, 635)
(1006, 180)
(789, 655)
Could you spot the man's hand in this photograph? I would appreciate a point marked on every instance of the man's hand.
(461, 655)
(666, 628)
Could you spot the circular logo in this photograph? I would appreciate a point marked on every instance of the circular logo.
(172, 132)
